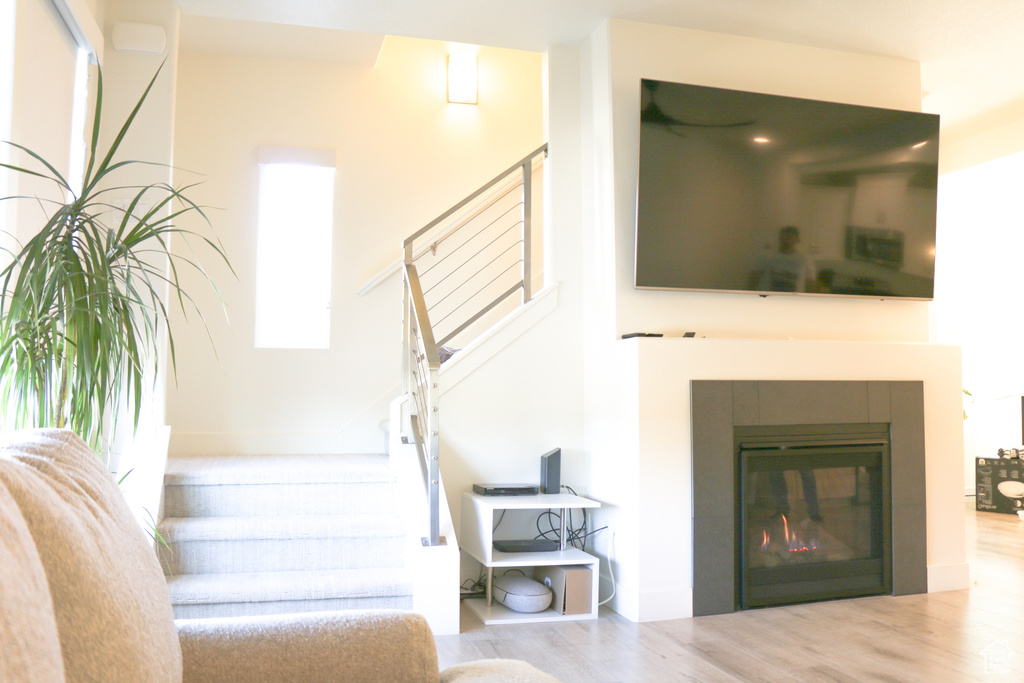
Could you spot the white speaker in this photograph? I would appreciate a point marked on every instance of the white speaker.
(521, 594)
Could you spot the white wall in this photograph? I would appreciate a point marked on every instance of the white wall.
(638, 51)
(498, 420)
(627, 471)
(982, 225)
(43, 52)
(405, 156)
(7, 19)
(986, 137)
(979, 291)
(125, 77)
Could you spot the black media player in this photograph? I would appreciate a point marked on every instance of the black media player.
(506, 489)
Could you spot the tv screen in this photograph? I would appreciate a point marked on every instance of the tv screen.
(748, 192)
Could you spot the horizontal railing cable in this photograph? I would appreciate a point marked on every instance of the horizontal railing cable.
(479, 232)
(472, 256)
(481, 313)
(480, 289)
(468, 220)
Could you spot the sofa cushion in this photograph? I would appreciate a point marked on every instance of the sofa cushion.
(110, 599)
(30, 650)
(358, 646)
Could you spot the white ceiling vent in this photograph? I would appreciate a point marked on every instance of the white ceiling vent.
(147, 39)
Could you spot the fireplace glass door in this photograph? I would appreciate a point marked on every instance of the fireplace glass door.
(814, 520)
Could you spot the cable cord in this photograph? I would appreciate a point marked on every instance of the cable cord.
(611, 569)
(575, 536)
(581, 534)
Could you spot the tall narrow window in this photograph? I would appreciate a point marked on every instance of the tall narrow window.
(293, 248)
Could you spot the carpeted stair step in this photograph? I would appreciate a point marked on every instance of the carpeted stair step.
(196, 596)
(269, 485)
(268, 534)
(206, 545)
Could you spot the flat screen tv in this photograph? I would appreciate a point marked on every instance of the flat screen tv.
(748, 192)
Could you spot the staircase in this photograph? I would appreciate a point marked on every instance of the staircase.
(250, 535)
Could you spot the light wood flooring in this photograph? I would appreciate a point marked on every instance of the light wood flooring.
(968, 635)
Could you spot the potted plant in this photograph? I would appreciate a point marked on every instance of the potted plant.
(83, 300)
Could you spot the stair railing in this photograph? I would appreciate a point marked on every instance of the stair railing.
(421, 365)
(458, 268)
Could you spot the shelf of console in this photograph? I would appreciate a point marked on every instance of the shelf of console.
(477, 536)
(499, 614)
(491, 612)
(538, 559)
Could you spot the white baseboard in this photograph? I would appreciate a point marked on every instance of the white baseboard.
(949, 577)
(658, 606)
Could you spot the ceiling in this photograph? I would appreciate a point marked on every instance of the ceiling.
(971, 51)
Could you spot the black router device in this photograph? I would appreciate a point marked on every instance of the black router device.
(506, 489)
(526, 545)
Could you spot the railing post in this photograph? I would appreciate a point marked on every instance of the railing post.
(423, 381)
(407, 381)
(406, 337)
(527, 171)
(434, 471)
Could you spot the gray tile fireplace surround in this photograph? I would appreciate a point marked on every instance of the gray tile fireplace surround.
(720, 405)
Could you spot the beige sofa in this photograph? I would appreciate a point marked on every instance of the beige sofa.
(82, 598)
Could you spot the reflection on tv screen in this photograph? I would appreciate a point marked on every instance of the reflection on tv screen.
(748, 192)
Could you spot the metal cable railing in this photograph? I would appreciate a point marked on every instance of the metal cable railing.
(460, 267)
(422, 364)
(472, 220)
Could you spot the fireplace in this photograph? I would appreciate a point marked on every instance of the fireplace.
(813, 513)
(826, 476)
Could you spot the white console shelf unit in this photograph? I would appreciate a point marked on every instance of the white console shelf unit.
(477, 540)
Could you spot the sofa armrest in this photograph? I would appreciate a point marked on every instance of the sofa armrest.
(320, 647)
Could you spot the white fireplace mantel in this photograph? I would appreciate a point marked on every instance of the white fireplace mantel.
(643, 449)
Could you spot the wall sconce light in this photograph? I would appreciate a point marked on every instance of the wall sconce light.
(462, 78)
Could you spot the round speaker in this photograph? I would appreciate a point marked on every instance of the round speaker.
(521, 594)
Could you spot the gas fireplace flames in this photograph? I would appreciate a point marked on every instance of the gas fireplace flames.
(790, 539)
